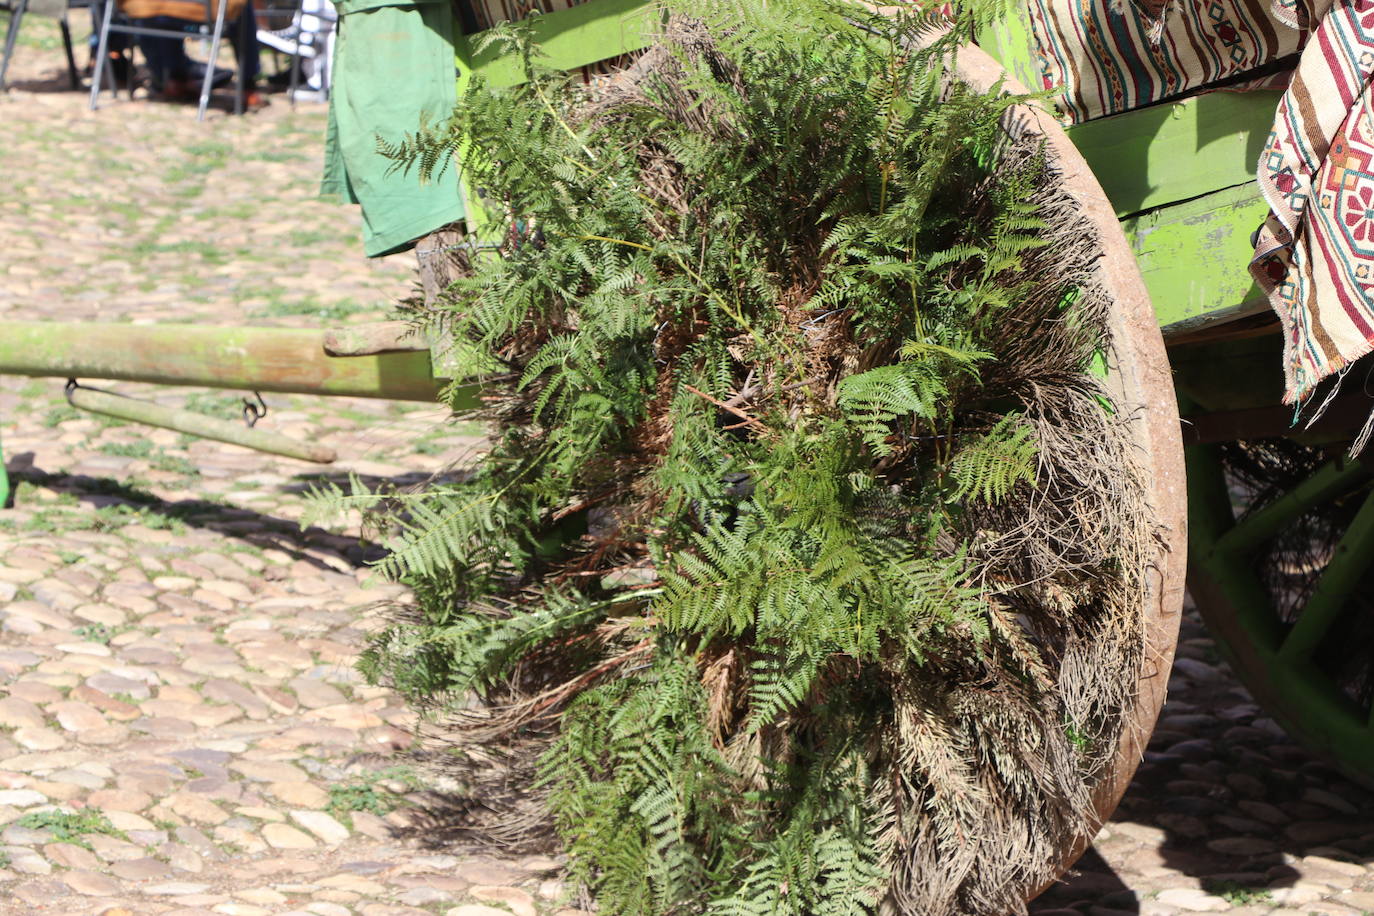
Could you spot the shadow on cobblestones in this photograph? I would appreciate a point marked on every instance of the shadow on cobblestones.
(54, 82)
(1225, 814)
(244, 524)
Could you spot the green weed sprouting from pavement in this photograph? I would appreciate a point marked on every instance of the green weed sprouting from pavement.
(99, 632)
(1237, 894)
(108, 518)
(71, 826)
(215, 403)
(369, 793)
(139, 448)
(174, 464)
(61, 414)
(338, 310)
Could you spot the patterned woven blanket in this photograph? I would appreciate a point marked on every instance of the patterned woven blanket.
(1110, 56)
(1315, 255)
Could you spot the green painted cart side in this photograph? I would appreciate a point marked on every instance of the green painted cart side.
(1181, 177)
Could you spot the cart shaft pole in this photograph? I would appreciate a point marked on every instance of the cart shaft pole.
(196, 424)
(250, 359)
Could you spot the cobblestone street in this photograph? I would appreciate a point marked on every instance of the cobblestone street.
(182, 729)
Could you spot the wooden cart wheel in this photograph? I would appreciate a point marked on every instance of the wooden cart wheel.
(1139, 374)
(1282, 569)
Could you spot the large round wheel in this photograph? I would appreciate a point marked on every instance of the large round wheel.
(1139, 374)
(1281, 558)
(998, 791)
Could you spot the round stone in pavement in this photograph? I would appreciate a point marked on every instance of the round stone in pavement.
(144, 869)
(92, 884)
(283, 836)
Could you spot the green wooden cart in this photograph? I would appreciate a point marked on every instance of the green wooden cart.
(1276, 525)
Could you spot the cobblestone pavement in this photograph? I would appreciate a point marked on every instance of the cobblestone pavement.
(181, 729)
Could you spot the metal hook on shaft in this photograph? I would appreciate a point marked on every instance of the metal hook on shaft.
(252, 413)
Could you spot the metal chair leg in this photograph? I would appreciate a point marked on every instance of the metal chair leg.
(11, 34)
(295, 82)
(210, 64)
(247, 44)
(72, 73)
(325, 55)
(102, 55)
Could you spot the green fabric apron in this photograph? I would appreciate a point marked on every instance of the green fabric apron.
(393, 65)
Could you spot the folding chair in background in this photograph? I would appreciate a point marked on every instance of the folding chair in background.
(202, 18)
(309, 37)
(53, 8)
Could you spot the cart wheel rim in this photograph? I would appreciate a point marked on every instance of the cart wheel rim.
(1139, 375)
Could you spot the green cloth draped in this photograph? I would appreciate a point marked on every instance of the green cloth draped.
(393, 67)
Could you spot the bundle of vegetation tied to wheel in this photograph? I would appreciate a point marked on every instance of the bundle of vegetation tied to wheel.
(803, 573)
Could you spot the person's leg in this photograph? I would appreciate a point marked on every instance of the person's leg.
(243, 35)
(118, 41)
(166, 57)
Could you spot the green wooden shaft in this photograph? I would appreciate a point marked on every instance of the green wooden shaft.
(251, 359)
(197, 424)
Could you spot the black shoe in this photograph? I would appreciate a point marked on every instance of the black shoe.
(196, 73)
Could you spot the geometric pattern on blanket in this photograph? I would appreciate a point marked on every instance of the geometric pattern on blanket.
(1314, 256)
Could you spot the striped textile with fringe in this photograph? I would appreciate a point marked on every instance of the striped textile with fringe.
(1314, 256)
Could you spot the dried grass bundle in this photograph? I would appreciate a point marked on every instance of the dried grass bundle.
(805, 575)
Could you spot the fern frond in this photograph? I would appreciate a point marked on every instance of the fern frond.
(990, 467)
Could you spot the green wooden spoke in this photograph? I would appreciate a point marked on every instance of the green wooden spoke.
(1349, 564)
(1279, 664)
(1251, 533)
(1210, 519)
